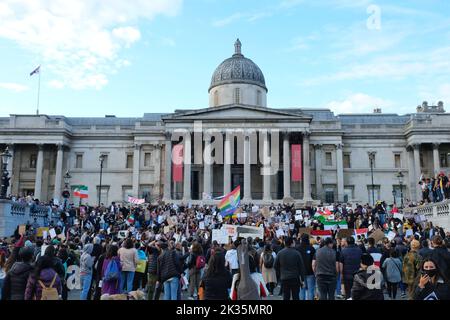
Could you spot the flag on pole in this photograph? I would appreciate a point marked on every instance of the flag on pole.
(130, 219)
(35, 71)
(134, 200)
(81, 191)
(230, 202)
(332, 225)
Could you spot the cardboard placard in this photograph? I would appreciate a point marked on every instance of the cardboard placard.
(304, 231)
(22, 229)
(344, 233)
(166, 229)
(377, 235)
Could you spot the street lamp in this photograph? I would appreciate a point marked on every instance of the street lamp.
(394, 193)
(400, 182)
(101, 159)
(6, 156)
(372, 160)
(66, 193)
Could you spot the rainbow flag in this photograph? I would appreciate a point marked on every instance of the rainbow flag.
(230, 202)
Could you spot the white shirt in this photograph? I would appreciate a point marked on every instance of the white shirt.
(231, 259)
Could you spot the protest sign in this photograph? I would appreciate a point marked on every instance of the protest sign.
(40, 231)
(231, 230)
(45, 234)
(409, 233)
(52, 233)
(298, 217)
(250, 231)
(280, 233)
(304, 231)
(344, 233)
(398, 216)
(201, 225)
(391, 235)
(22, 229)
(291, 226)
(122, 234)
(220, 236)
(166, 229)
(377, 235)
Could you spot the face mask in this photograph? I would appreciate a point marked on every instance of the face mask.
(431, 273)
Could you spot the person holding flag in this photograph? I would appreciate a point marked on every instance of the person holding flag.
(230, 203)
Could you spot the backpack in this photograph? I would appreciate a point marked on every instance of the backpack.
(49, 293)
(268, 260)
(112, 272)
(200, 262)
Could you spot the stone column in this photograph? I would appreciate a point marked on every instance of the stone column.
(318, 156)
(340, 172)
(266, 169)
(59, 171)
(136, 167)
(167, 197)
(436, 163)
(227, 164)
(417, 170)
(10, 168)
(207, 164)
(187, 167)
(411, 172)
(247, 170)
(39, 169)
(157, 185)
(286, 166)
(306, 168)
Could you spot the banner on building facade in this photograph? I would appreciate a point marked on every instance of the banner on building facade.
(296, 162)
(177, 163)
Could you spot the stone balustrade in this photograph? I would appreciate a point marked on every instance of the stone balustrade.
(438, 213)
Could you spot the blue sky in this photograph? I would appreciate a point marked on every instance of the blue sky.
(125, 58)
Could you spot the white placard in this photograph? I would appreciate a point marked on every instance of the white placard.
(279, 233)
(391, 235)
(220, 236)
(201, 225)
(398, 216)
(291, 226)
(298, 211)
(52, 233)
(409, 233)
(44, 234)
(161, 219)
(255, 209)
(122, 234)
(298, 217)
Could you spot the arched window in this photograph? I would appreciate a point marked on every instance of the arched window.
(258, 98)
(216, 98)
(237, 95)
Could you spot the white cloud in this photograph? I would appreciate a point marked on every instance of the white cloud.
(78, 41)
(358, 103)
(16, 87)
(227, 20)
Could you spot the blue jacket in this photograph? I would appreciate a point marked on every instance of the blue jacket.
(351, 258)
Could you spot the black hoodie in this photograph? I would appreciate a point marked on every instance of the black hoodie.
(16, 281)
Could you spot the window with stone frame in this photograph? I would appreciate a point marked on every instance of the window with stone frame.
(444, 160)
(328, 159)
(216, 98)
(258, 98)
(78, 161)
(129, 164)
(397, 161)
(147, 159)
(346, 161)
(33, 160)
(237, 95)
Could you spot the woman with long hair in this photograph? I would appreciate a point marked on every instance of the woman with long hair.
(195, 269)
(43, 275)
(217, 279)
(431, 284)
(110, 272)
(267, 263)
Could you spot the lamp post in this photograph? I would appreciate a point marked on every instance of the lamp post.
(101, 159)
(400, 182)
(394, 193)
(372, 160)
(6, 156)
(66, 193)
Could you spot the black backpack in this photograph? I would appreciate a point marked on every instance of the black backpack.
(268, 260)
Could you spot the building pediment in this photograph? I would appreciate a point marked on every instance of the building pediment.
(236, 112)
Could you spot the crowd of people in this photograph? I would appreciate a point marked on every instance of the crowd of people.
(435, 189)
(168, 251)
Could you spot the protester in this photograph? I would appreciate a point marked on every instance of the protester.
(43, 279)
(86, 269)
(217, 279)
(432, 285)
(128, 260)
(307, 251)
(350, 259)
(111, 271)
(441, 256)
(231, 260)
(364, 288)
(195, 265)
(267, 264)
(393, 270)
(169, 271)
(326, 267)
(411, 267)
(153, 253)
(290, 270)
(16, 279)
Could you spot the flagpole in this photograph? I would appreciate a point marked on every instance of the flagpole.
(39, 92)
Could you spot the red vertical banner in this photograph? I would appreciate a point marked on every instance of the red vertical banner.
(296, 162)
(177, 163)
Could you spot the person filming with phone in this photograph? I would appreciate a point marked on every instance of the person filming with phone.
(431, 284)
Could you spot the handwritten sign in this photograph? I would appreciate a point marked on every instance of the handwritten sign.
(220, 236)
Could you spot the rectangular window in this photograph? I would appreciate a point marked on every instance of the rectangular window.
(147, 159)
(104, 195)
(328, 159)
(346, 159)
(397, 161)
(348, 193)
(375, 195)
(329, 196)
(127, 191)
(33, 159)
(444, 160)
(237, 95)
(129, 161)
(146, 193)
(258, 98)
(79, 161)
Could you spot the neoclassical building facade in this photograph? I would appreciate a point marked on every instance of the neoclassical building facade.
(138, 152)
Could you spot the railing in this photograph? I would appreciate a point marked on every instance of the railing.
(18, 208)
(438, 213)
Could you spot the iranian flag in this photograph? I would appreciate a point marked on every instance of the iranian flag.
(334, 225)
(81, 192)
(321, 233)
(360, 232)
(130, 219)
